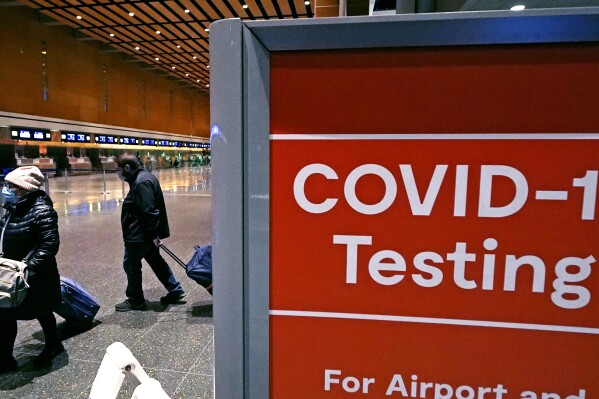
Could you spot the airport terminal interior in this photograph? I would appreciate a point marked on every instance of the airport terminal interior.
(84, 81)
(174, 344)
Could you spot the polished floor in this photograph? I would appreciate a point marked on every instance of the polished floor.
(173, 344)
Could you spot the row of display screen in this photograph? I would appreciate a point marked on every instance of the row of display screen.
(30, 134)
(19, 133)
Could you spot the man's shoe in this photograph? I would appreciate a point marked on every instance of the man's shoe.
(44, 359)
(8, 365)
(127, 305)
(173, 299)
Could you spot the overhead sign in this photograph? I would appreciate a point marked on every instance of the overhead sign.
(150, 142)
(128, 140)
(75, 137)
(25, 133)
(106, 139)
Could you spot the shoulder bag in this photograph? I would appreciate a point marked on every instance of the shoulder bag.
(13, 277)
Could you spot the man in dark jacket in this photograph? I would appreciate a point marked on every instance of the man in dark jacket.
(144, 223)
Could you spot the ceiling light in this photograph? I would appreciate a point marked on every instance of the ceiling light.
(208, 66)
(131, 14)
(79, 17)
(198, 80)
(186, 74)
(112, 35)
(44, 52)
(207, 30)
(157, 32)
(195, 58)
(157, 59)
(245, 6)
(186, 11)
(519, 7)
(174, 67)
(137, 48)
(178, 46)
(208, 85)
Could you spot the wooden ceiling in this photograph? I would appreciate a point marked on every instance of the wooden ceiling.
(172, 35)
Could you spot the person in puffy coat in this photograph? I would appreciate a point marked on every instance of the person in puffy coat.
(31, 223)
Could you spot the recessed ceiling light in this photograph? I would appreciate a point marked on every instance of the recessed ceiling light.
(208, 66)
(131, 14)
(137, 48)
(44, 52)
(112, 35)
(157, 59)
(157, 32)
(186, 11)
(207, 85)
(79, 17)
(198, 80)
(207, 30)
(174, 67)
(178, 46)
(307, 3)
(186, 74)
(519, 7)
(245, 6)
(195, 58)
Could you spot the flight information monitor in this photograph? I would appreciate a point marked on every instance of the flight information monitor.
(74, 137)
(106, 139)
(129, 140)
(25, 133)
(150, 142)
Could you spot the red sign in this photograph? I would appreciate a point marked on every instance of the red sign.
(436, 265)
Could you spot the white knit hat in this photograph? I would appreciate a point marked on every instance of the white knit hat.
(29, 178)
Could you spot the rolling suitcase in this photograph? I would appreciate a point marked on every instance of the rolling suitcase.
(78, 306)
(199, 268)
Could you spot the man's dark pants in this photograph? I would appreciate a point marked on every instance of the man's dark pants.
(134, 253)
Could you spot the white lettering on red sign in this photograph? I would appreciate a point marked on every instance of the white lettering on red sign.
(422, 206)
(429, 274)
(388, 267)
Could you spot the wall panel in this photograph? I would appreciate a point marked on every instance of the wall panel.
(77, 84)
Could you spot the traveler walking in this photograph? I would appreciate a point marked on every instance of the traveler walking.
(31, 226)
(144, 222)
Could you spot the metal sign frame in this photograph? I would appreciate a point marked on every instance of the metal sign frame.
(239, 101)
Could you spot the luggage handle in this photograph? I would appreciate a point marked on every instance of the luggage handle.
(172, 255)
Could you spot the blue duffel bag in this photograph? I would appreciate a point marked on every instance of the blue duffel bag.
(78, 306)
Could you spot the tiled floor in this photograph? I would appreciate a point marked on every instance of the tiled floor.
(174, 344)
